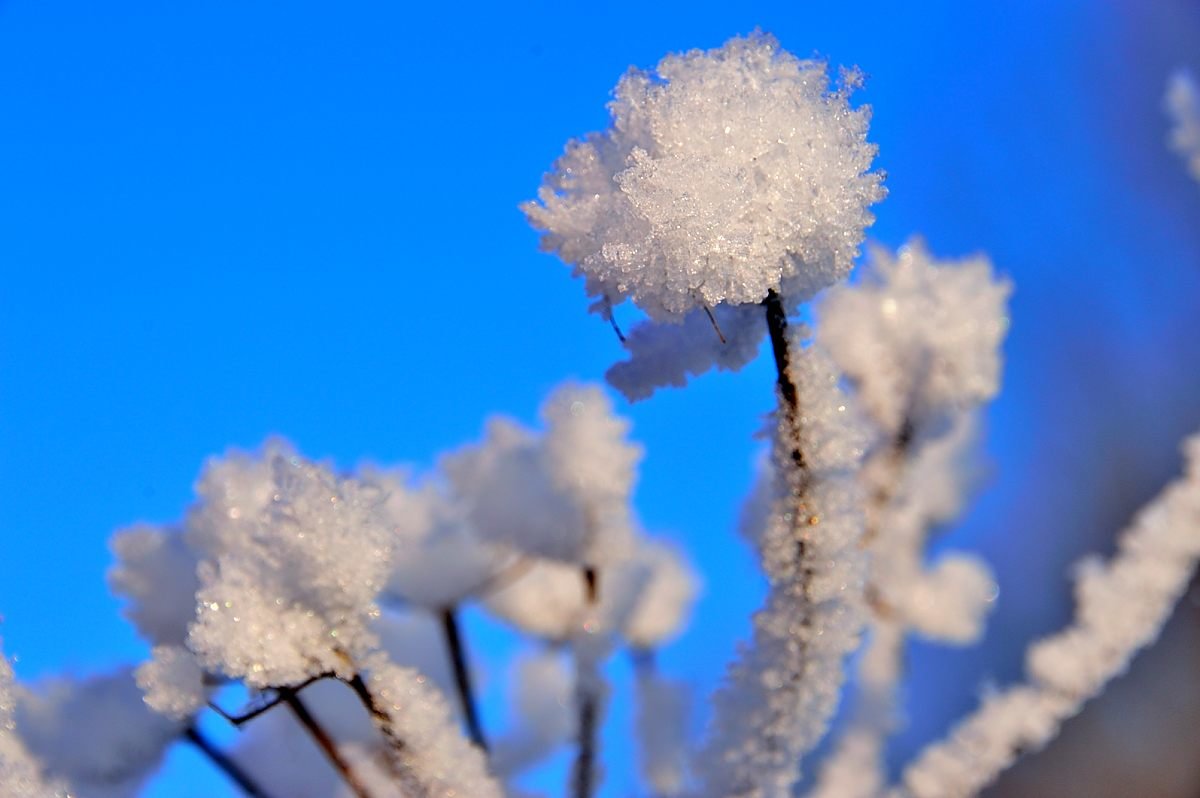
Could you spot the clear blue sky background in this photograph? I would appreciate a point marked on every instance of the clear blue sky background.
(224, 220)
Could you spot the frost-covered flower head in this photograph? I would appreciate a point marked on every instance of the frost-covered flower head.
(295, 556)
(438, 560)
(563, 495)
(726, 173)
(919, 336)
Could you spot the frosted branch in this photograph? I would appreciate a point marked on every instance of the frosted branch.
(1121, 607)
(781, 692)
(428, 755)
(1183, 107)
(21, 773)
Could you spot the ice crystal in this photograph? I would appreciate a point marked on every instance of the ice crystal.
(726, 173)
(294, 559)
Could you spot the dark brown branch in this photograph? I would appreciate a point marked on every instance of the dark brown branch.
(245, 717)
(585, 758)
(884, 493)
(324, 741)
(222, 762)
(462, 676)
(716, 327)
(789, 397)
(591, 584)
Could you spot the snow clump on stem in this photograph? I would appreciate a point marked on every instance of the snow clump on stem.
(726, 173)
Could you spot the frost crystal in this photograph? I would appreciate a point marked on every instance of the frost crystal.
(564, 495)
(662, 354)
(919, 336)
(295, 557)
(726, 173)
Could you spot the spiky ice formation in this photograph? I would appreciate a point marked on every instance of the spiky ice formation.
(293, 559)
(662, 354)
(725, 173)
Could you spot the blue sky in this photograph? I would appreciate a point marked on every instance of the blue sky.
(220, 221)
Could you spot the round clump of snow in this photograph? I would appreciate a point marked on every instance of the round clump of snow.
(726, 174)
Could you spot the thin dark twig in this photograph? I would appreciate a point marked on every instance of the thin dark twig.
(616, 327)
(789, 409)
(223, 763)
(608, 312)
(326, 743)
(585, 759)
(245, 717)
(713, 321)
(591, 584)
(789, 397)
(462, 676)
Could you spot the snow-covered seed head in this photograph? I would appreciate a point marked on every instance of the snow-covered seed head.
(726, 173)
(920, 337)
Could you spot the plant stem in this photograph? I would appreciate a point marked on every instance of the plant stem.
(395, 745)
(462, 676)
(246, 717)
(591, 584)
(326, 743)
(789, 397)
(585, 759)
(222, 762)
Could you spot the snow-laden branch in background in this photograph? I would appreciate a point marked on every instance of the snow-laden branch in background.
(780, 693)
(920, 340)
(1121, 606)
(1183, 106)
(726, 173)
(96, 734)
(21, 773)
(562, 495)
(919, 337)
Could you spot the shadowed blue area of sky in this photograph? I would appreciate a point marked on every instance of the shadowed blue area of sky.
(220, 221)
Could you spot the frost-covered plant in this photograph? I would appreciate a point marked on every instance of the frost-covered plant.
(726, 174)
(733, 186)
(1183, 106)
